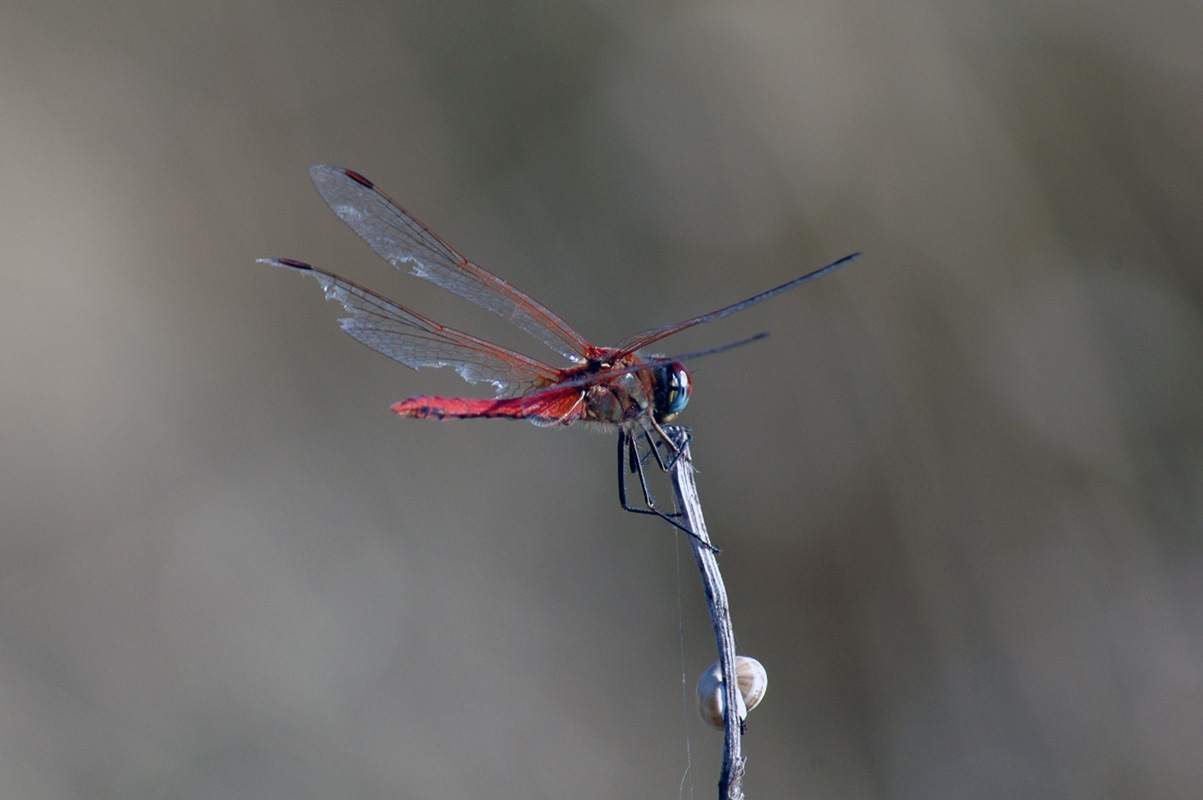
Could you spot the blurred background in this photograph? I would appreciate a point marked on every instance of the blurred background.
(959, 491)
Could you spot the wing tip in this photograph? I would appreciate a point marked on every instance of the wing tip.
(290, 263)
(322, 172)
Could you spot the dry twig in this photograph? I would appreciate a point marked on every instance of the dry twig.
(731, 780)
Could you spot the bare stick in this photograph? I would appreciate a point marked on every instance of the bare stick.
(731, 782)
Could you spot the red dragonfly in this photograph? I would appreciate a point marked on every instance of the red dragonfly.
(613, 387)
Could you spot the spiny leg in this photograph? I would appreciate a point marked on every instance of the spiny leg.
(628, 452)
(667, 438)
(629, 461)
(638, 464)
(630, 442)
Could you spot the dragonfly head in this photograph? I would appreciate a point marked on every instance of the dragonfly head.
(672, 391)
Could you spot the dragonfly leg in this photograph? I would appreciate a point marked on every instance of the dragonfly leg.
(667, 439)
(638, 466)
(630, 460)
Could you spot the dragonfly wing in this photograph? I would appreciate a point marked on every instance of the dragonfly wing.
(415, 341)
(641, 340)
(399, 238)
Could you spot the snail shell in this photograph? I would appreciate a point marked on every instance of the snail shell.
(753, 681)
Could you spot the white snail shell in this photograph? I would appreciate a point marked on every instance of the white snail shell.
(753, 681)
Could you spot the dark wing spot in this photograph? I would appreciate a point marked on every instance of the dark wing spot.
(362, 181)
(289, 262)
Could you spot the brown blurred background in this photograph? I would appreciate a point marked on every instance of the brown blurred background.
(959, 490)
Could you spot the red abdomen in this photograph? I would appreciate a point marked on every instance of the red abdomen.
(541, 407)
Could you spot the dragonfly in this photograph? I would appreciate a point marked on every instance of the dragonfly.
(608, 387)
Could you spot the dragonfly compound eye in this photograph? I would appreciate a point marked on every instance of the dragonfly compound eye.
(672, 391)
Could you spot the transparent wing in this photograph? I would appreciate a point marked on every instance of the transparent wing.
(398, 238)
(415, 341)
(645, 338)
